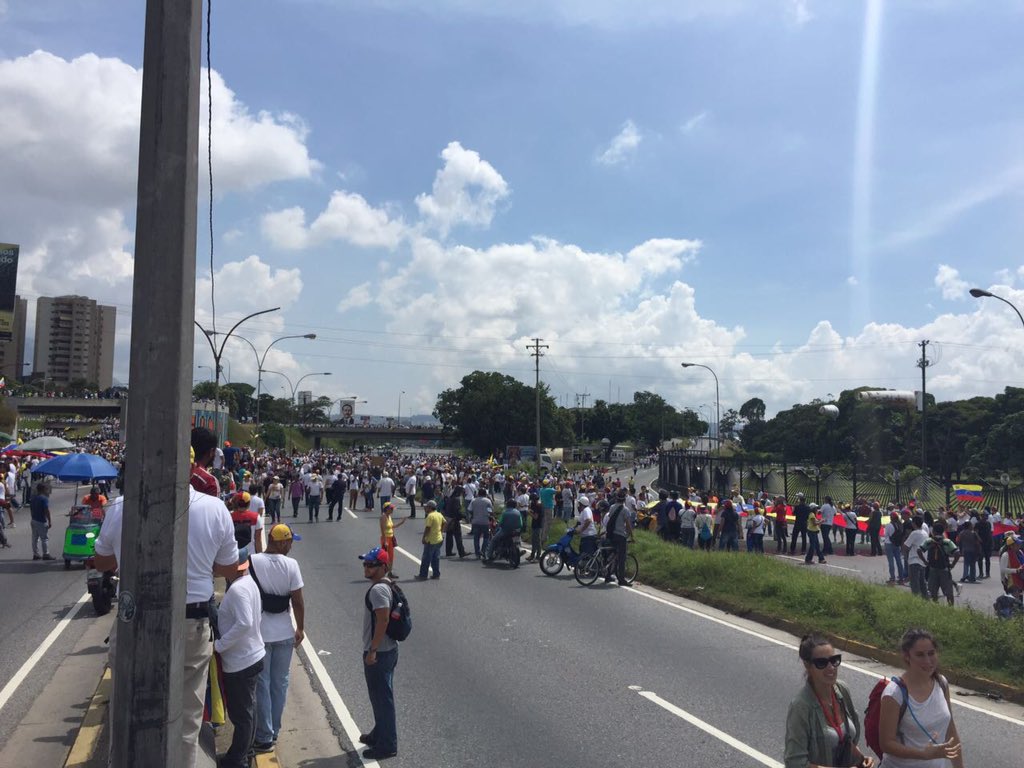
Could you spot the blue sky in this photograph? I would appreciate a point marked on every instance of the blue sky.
(729, 182)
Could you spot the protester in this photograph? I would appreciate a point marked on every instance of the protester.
(433, 535)
(915, 727)
(41, 522)
(241, 650)
(387, 533)
(892, 538)
(823, 727)
(813, 529)
(940, 555)
(278, 579)
(380, 657)
(453, 523)
(480, 515)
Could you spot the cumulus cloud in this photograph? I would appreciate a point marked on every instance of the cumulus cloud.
(948, 280)
(347, 218)
(852, 281)
(623, 147)
(359, 296)
(467, 190)
(799, 11)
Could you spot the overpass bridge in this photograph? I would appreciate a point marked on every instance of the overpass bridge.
(377, 434)
(94, 407)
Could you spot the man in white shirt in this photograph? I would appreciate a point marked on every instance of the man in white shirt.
(212, 551)
(386, 489)
(241, 650)
(828, 514)
(585, 525)
(257, 505)
(410, 493)
(915, 562)
(279, 581)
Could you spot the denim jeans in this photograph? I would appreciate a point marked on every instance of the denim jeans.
(274, 510)
(826, 539)
(240, 697)
(895, 558)
(40, 534)
(431, 558)
(917, 583)
(314, 507)
(813, 548)
(272, 689)
(480, 530)
(970, 567)
(729, 541)
(380, 685)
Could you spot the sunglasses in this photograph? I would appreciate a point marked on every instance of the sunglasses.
(835, 661)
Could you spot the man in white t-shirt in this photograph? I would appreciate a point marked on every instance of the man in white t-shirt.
(585, 525)
(280, 584)
(212, 551)
(410, 493)
(257, 505)
(828, 514)
(915, 562)
(241, 650)
(385, 489)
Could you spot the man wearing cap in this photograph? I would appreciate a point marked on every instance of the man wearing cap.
(586, 526)
(1010, 562)
(315, 489)
(380, 657)
(279, 582)
(433, 535)
(241, 650)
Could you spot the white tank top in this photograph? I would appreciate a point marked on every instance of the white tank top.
(934, 717)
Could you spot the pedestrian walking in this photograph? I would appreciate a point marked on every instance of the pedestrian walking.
(970, 546)
(278, 579)
(453, 523)
(296, 489)
(915, 563)
(380, 658)
(481, 512)
(241, 650)
(813, 536)
(850, 524)
(275, 495)
(828, 516)
(800, 514)
(433, 535)
(875, 529)
(41, 523)
(892, 543)
(915, 724)
(823, 727)
(315, 488)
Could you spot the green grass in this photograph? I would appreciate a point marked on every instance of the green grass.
(973, 643)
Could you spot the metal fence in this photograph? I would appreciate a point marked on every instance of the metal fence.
(681, 469)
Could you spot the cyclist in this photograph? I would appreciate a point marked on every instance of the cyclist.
(619, 531)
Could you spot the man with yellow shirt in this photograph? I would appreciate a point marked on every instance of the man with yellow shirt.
(433, 530)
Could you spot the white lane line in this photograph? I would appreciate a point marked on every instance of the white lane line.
(336, 702)
(352, 514)
(26, 668)
(409, 555)
(766, 638)
(711, 730)
(827, 565)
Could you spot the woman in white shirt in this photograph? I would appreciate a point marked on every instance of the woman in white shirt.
(925, 736)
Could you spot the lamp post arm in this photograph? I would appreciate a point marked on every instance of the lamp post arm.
(1012, 306)
(247, 317)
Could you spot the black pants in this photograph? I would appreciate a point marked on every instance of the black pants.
(851, 541)
(619, 545)
(876, 544)
(453, 538)
(826, 539)
(984, 564)
(802, 531)
(240, 698)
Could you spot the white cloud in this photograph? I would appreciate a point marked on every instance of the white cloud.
(623, 147)
(852, 281)
(662, 255)
(359, 296)
(347, 218)
(948, 280)
(694, 122)
(799, 11)
(467, 190)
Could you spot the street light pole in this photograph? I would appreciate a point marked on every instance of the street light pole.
(402, 392)
(978, 293)
(718, 406)
(217, 354)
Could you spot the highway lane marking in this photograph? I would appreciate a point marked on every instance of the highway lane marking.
(336, 702)
(352, 514)
(827, 565)
(30, 663)
(710, 729)
(846, 665)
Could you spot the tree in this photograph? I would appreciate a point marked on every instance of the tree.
(245, 402)
(753, 410)
(204, 391)
(491, 411)
(272, 435)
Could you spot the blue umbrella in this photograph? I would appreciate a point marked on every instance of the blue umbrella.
(77, 466)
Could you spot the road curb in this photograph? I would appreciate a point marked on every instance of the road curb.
(892, 658)
(91, 729)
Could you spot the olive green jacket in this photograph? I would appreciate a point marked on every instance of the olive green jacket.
(805, 729)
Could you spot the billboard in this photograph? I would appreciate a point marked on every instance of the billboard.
(348, 412)
(8, 286)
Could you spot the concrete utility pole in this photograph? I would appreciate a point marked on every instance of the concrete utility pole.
(150, 658)
(581, 403)
(923, 364)
(535, 352)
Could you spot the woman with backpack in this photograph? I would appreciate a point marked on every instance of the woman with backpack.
(915, 718)
(822, 725)
(702, 524)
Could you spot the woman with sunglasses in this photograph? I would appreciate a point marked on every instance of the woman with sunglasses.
(823, 727)
(922, 734)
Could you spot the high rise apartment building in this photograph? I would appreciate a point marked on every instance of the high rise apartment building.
(74, 341)
(12, 353)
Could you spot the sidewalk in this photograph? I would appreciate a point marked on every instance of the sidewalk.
(67, 724)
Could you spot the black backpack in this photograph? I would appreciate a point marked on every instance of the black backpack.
(937, 557)
(898, 534)
(271, 603)
(400, 622)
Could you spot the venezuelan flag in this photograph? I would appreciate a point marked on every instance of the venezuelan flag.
(968, 494)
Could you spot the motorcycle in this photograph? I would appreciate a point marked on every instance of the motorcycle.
(102, 586)
(559, 555)
(509, 548)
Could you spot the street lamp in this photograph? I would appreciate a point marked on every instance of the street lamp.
(400, 408)
(295, 386)
(718, 406)
(217, 354)
(978, 293)
(261, 359)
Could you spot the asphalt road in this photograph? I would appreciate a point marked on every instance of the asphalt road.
(34, 597)
(511, 668)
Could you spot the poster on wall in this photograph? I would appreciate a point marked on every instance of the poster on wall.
(8, 288)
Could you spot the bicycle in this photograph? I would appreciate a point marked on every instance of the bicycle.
(592, 565)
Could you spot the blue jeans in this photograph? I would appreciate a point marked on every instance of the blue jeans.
(432, 558)
(729, 541)
(313, 504)
(970, 567)
(380, 685)
(480, 529)
(895, 558)
(814, 548)
(272, 689)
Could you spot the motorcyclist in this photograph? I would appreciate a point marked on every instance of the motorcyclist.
(509, 525)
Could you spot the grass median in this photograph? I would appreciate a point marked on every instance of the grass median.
(973, 643)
